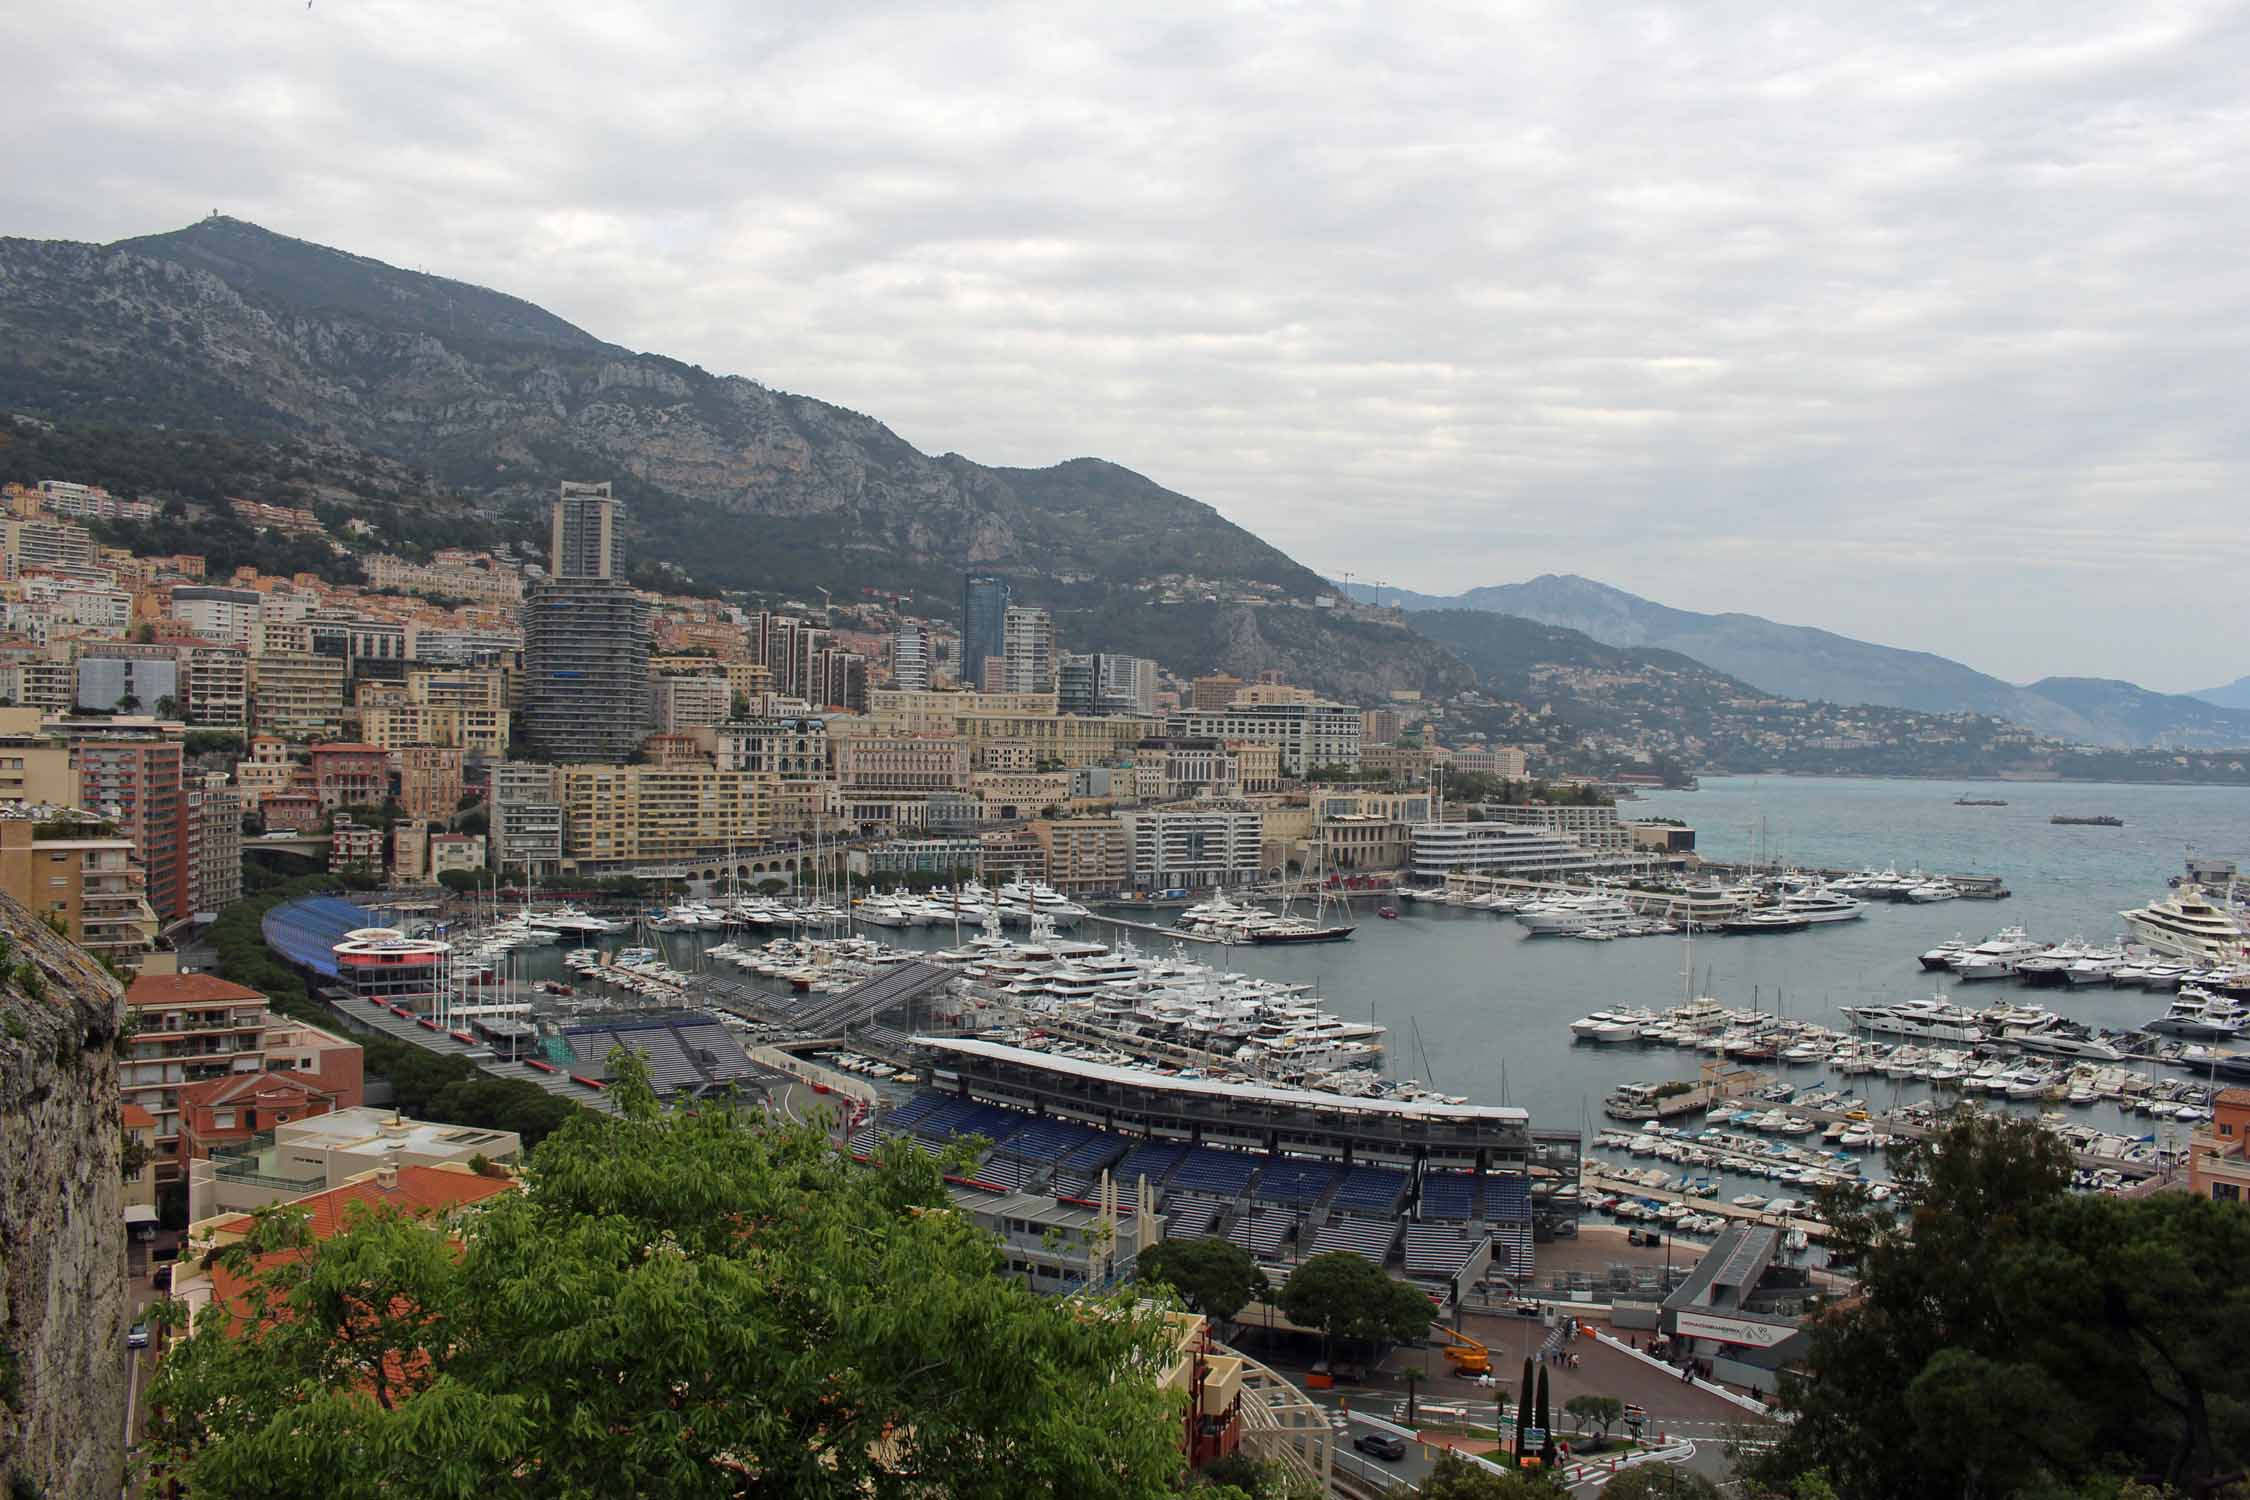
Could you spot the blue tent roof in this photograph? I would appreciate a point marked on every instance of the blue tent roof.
(307, 932)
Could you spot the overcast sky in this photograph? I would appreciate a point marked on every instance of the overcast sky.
(1922, 323)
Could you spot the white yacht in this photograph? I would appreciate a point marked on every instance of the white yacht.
(1574, 914)
(1821, 904)
(569, 921)
(1935, 1019)
(2037, 1029)
(1994, 958)
(1021, 899)
(2189, 924)
(1622, 1024)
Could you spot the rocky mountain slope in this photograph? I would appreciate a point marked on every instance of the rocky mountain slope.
(224, 324)
(1803, 662)
(62, 1229)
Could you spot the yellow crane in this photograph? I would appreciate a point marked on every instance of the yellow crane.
(1465, 1354)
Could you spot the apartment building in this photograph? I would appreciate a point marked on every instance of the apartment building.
(214, 830)
(456, 852)
(396, 723)
(33, 677)
(215, 687)
(330, 1162)
(1212, 693)
(34, 768)
(526, 818)
(1308, 735)
(269, 769)
(186, 1030)
(429, 780)
(123, 677)
(228, 616)
(1397, 762)
(66, 866)
(585, 657)
(450, 574)
(220, 1115)
(1086, 856)
(137, 782)
(1009, 796)
(410, 851)
(45, 544)
(984, 612)
(297, 696)
(355, 846)
(348, 773)
(1028, 642)
(615, 815)
(1194, 846)
(685, 701)
(910, 658)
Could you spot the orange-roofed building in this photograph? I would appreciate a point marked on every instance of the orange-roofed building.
(227, 1112)
(2219, 1154)
(188, 1029)
(139, 1127)
(436, 1195)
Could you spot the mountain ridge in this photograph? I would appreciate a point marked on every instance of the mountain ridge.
(227, 325)
(1805, 661)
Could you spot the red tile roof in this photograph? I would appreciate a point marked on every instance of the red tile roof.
(420, 1191)
(261, 1087)
(184, 989)
(133, 1117)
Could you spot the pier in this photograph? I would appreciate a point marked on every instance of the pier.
(1164, 932)
(1593, 1180)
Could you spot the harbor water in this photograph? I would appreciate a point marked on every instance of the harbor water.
(1478, 1007)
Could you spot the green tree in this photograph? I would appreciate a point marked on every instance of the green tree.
(1653, 1481)
(2081, 1339)
(1214, 1277)
(463, 880)
(677, 1304)
(1598, 1412)
(1453, 1477)
(1545, 1423)
(1345, 1297)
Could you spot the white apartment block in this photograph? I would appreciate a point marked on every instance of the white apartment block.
(1194, 847)
(1308, 735)
(1028, 643)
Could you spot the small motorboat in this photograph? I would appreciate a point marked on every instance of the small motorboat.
(1388, 914)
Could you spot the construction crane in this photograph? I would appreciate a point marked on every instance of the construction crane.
(1465, 1354)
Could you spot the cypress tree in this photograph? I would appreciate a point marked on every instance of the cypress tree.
(1523, 1409)
(1547, 1446)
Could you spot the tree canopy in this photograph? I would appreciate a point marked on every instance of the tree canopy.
(1344, 1296)
(2011, 1338)
(1216, 1278)
(1453, 1477)
(680, 1305)
(1598, 1412)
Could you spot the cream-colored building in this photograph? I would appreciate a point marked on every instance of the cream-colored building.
(70, 869)
(1011, 795)
(33, 767)
(298, 697)
(616, 814)
(215, 687)
(1086, 856)
(896, 765)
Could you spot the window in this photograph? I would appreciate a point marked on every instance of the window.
(222, 1119)
(2226, 1192)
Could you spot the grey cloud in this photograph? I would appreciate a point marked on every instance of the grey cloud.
(1924, 325)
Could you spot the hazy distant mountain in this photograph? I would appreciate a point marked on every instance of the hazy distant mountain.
(2235, 694)
(225, 326)
(1804, 662)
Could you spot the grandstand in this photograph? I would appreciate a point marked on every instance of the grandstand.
(1372, 1238)
(687, 1052)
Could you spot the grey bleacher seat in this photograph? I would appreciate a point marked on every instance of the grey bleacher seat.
(1264, 1233)
(1283, 1179)
(1436, 1252)
(1154, 1160)
(1190, 1218)
(1001, 1171)
(1372, 1238)
(1449, 1195)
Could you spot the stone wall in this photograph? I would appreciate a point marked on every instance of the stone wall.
(62, 1237)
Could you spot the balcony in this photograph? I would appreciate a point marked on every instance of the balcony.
(257, 1162)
